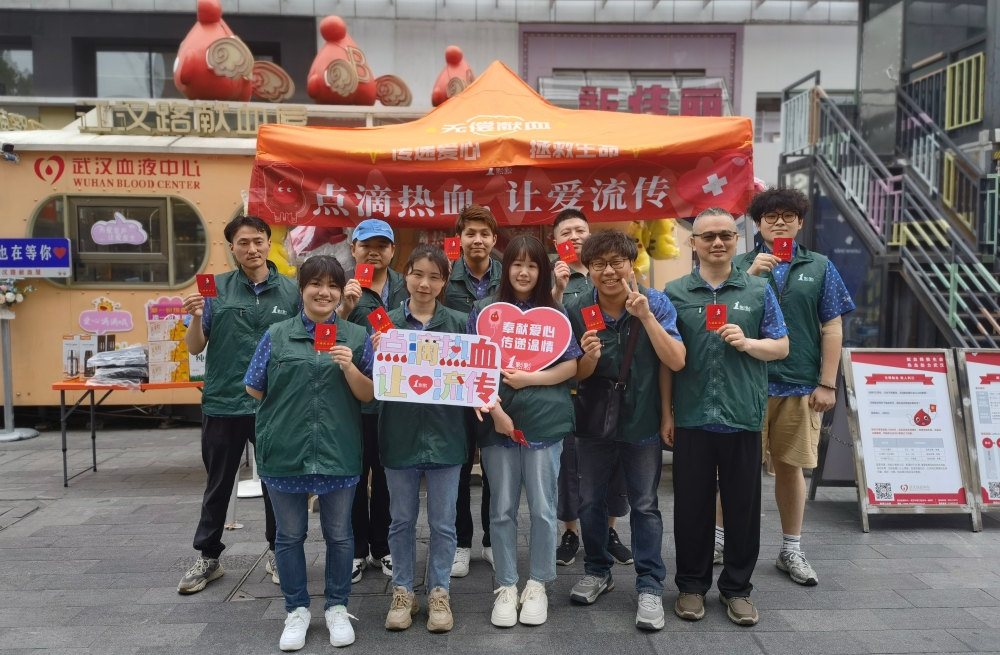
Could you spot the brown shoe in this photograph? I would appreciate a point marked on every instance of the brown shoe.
(690, 606)
(404, 606)
(439, 617)
(741, 610)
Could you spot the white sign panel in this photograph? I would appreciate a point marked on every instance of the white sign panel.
(983, 377)
(442, 368)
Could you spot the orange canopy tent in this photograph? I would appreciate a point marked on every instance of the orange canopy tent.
(499, 144)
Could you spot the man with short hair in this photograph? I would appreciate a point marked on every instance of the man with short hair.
(572, 280)
(719, 399)
(372, 243)
(475, 276)
(250, 299)
(626, 307)
(813, 298)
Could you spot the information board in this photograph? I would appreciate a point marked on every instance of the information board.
(910, 449)
(980, 378)
(24, 258)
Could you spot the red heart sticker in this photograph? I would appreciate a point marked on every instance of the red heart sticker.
(420, 383)
(59, 252)
(529, 341)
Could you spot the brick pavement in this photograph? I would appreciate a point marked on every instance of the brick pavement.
(94, 568)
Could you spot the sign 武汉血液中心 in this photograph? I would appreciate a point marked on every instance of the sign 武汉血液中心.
(436, 368)
(983, 380)
(24, 258)
(528, 341)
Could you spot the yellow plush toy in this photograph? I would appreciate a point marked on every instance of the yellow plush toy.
(635, 230)
(662, 244)
(278, 254)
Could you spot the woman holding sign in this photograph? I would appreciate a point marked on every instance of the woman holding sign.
(310, 372)
(426, 438)
(521, 437)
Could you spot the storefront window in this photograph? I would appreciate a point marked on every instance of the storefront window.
(16, 71)
(135, 74)
(124, 241)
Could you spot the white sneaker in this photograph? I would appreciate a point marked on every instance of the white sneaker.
(384, 563)
(534, 604)
(359, 567)
(488, 556)
(460, 567)
(505, 607)
(293, 637)
(272, 568)
(338, 622)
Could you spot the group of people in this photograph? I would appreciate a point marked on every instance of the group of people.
(718, 390)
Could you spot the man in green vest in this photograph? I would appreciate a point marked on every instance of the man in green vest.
(732, 325)
(372, 243)
(231, 325)
(473, 277)
(572, 280)
(813, 298)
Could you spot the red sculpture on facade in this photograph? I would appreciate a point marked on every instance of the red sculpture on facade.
(340, 74)
(454, 78)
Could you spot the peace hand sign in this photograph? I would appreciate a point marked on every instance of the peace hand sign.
(636, 304)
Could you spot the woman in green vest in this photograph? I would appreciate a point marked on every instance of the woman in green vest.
(417, 438)
(309, 442)
(537, 405)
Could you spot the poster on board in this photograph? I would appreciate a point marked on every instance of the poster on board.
(981, 397)
(909, 444)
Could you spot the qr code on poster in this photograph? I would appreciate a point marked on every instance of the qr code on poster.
(994, 492)
(883, 491)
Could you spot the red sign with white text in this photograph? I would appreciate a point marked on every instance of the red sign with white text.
(529, 341)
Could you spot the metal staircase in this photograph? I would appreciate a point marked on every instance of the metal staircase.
(934, 220)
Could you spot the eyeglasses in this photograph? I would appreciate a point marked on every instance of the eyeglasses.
(786, 217)
(710, 237)
(600, 265)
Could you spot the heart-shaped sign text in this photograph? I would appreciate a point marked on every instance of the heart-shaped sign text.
(529, 341)
(420, 383)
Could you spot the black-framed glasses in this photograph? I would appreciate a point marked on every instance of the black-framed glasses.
(710, 237)
(600, 264)
(786, 217)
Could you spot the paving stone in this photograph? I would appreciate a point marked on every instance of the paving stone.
(120, 615)
(949, 598)
(909, 641)
(987, 640)
(710, 643)
(928, 618)
(801, 643)
(51, 637)
(826, 620)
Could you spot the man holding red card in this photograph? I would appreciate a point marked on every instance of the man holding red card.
(813, 298)
(229, 325)
(374, 286)
(719, 398)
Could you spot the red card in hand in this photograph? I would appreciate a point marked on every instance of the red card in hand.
(519, 438)
(453, 248)
(206, 285)
(593, 318)
(567, 252)
(783, 249)
(380, 320)
(326, 337)
(364, 273)
(715, 316)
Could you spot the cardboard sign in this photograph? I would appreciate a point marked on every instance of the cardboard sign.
(715, 317)
(107, 316)
(982, 381)
(453, 248)
(529, 341)
(206, 285)
(783, 249)
(326, 337)
(415, 366)
(364, 273)
(380, 320)
(567, 252)
(593, 318)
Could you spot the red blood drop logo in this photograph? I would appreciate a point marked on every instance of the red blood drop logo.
(495, 316)
(987, 443)
(922, 418)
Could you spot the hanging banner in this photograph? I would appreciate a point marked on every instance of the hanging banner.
(981, 396)
(500, 145)
(905, 428)
(415, 366)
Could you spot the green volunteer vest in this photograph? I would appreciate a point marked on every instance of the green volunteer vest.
(239, 320)
(369, 302)
(719, 384)
(799, 302)
(641, 411)
(460, 294)
(578, 284)
(309, 422)
(411, 434)
(543, 414)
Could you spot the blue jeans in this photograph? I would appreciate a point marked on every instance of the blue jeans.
(291, 516)
(595, 459)
(538, 471)
(404, 506)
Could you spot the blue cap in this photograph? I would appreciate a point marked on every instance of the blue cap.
(372, 228)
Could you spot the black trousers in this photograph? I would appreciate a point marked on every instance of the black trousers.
(223, 442)
(463, 515)
(370, 516)
(697, 454)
